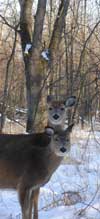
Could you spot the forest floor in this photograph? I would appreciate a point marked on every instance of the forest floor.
(74, 189)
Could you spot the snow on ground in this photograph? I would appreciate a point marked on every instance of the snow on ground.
(74, 189)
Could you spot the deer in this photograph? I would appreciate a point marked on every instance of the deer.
(27, 162)
(57, 110)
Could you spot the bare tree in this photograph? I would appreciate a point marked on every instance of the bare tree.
(34, 64)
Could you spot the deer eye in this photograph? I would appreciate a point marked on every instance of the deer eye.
(67, 141)
(50, 108)
(62, 108)
(56, 139)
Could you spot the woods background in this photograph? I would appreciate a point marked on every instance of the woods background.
(70, 32)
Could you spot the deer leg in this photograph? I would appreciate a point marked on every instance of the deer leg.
(35, 202)
(25, 197)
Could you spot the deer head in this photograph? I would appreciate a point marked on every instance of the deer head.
(57, 110)
(60, 140)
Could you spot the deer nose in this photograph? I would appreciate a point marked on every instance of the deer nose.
(63, 150)
(56, 116)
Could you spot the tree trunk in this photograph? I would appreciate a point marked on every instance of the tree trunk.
(32, 60)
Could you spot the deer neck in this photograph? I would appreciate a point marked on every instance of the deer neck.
(56, 127)
(53, 161)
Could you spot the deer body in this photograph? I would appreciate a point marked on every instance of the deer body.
(28, 161)
(18, 161)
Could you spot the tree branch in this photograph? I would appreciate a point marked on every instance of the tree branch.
(5, 94)
(9, 25)
(39, 21)
(85, 44)
(59, 25)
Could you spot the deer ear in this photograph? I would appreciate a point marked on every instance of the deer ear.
(49, 98)
(49, 131)
(71, 101)
(70, 127)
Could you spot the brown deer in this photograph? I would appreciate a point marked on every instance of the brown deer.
(28, 161)
(57, 111)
